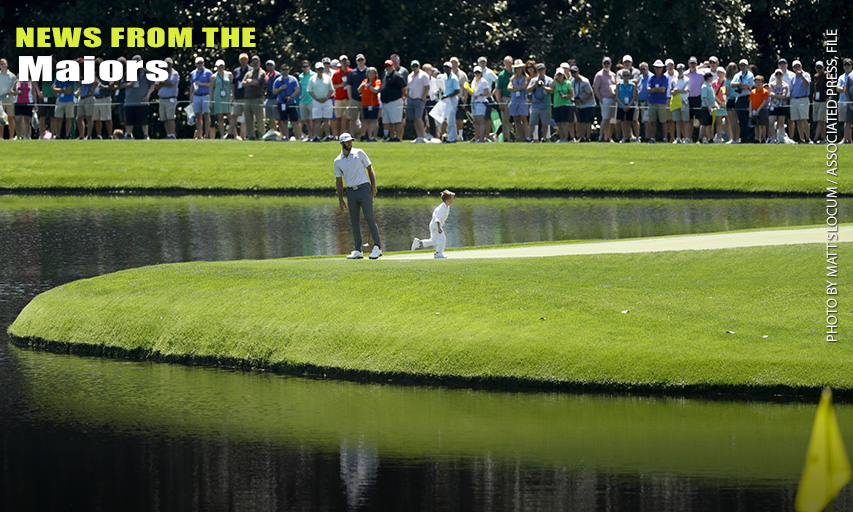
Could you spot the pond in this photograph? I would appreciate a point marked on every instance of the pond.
(99, 434)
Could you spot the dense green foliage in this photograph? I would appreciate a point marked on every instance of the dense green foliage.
(233, 166)
(693, 320)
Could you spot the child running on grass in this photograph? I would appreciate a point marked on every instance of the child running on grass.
(437, 238)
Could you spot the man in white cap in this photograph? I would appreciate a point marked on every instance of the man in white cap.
(800, 92)
(628, 63)
(354, 171)
(451, 97)
(271, 109)
(238, 95)
(603, 85)
(742, 83)
(200, 80)
(343, 105)
(321, 92)
(167, 98)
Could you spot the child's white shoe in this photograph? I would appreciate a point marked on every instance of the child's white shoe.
(440, 256)
(416, 243)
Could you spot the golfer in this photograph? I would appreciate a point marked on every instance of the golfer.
(353, 167)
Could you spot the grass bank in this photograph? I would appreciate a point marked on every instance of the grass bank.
(740, 320)
(187, 166)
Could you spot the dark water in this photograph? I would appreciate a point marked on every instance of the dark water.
(91, 434)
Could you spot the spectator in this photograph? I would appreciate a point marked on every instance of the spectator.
(463, 95)
(222, 82)
(843, 99)
(120, 90)
(643, 98)
(788, 78)
(85, 110)
(818, 97)
(24, 108)
(563, 94)
(136, 102)
(491, 78)
(800, 92)
(585, 104)
(709, 104)
(321, 92)
(502, 95)
(286, 90)
(731, 98)
(694, 97)
(64, 90)
(47, 103)
(394, 89)
(167, 98)
(271, 110)
(354, 80)
(779, 95)
(253, 110)
(451, 96)
(238, 95)
(680, 114)
(628, 63)
(658, 85)
(369, 92)
(479, 98)
(723, 129)
(848, 86)
(103, 109)
(418, 91)
(742, 82)
(671, 75)
(200, 81)
(400, 70)
(758, 103)
(518, 108)
(342, 100)
(540, 89)
(626, 99)
(8, 94)
(603, 85)
(436, 89)
(306, 104)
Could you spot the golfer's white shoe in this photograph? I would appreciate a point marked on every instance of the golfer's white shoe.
(416, 243)
(377, 252)
(355, 255)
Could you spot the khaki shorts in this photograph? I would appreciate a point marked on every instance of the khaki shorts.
(86, 106)
(237, 108)
(819, 111)
(167, 108)
(64, 109)
(799, 109)
(305, 111)
(103, 109)
(342, 108)
(658, 113)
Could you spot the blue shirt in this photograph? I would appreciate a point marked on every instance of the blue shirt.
(62, 97)
(101, 91)
(626, 92)
(451, 84)
(658, 98)
(354, 80)
(800, 85)
(204, 76)
(744, 78)
(707, 94)
(643, 87)
(292, 85)
(842, 81)
(170, 92)
(86, 89)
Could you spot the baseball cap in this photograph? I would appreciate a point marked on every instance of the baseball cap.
(680, 66)
(482, 59)
(693, 60)
(796, 63)
(244, 56)
(137, 57)
(540, 66)
(574, 69)
(448, 64)
(782, 60)
(168, 60)
(389, 62)
(270, 62)
(336, 63)
(415, 63)
(658, 64)
(319, 65)
(819, 64)
(628, 58)
(256, 58)
(219, 62)
(360, 56)
(326, 60)
(560, 71)
(564, 64)
(721, 69)
(345, 137)
(199, 60)
(713, 59)
(343, 57)
(478, 69)
(605, 59)
(743, 62)
(669, 61)
(778, 72)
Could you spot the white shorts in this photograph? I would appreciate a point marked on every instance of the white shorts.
(392, 112)
(322, 110)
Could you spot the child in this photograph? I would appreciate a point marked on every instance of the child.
(758, 101)
(708, 104)
(437, 237)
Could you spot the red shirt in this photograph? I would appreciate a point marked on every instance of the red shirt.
(368, 97)
(339, 77)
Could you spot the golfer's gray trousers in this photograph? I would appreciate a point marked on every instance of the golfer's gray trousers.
(362, 198)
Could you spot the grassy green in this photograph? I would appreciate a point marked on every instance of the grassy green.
(519, 168)
(754, 441)
(541, 321)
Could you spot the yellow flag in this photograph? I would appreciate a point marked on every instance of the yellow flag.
(827, 466)
(675, 102)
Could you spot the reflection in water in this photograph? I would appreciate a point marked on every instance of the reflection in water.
(81, 433)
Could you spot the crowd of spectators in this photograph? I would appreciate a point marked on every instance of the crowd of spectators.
(522, 101)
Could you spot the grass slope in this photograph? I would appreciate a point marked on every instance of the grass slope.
(234, 166)
(541, 321)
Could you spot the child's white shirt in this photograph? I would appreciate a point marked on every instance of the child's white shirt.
(440, 213)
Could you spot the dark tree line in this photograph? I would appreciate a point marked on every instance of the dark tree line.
(549, 31)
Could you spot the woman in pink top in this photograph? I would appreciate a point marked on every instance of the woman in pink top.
(24, 108)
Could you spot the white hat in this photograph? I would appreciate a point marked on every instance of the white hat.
(669, 61)
(721, 69)
(796, 63)
(345, 137)
(658, 64)
(199, 59)
(564, 65)
(478, 69)
(319, 65)
(336, 63)
(448, 64)
(743, 62)
(343, 57)
(219, 62)
(560, 71)
(627, 57)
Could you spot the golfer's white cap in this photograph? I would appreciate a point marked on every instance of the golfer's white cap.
(345, 137)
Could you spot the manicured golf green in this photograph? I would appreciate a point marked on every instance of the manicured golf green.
(746, 320)
(233, 166)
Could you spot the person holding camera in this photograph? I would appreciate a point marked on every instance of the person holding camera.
(541, 87)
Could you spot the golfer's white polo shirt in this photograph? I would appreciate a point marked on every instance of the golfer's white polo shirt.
(353, 168)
